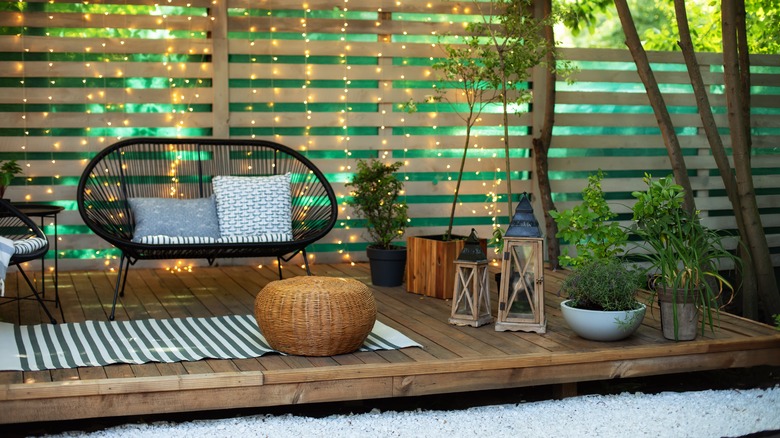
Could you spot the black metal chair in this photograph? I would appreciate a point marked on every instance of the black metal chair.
(30, 244)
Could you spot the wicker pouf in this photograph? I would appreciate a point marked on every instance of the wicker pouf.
(315, 316)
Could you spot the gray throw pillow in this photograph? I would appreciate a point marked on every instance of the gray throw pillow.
(174, 217)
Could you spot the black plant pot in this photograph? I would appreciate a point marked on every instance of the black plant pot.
(387, 265)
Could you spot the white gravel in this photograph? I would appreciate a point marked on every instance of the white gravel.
(721, 413)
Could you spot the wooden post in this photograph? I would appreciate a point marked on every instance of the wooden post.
(221, 71)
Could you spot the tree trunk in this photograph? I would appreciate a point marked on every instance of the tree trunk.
(469, 123)
(748, 283)
(510, 212)
(541, 146)
(734, 82)
(676, 159)
(744, 66)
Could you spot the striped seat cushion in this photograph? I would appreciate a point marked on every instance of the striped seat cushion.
(189, 240)
(175, 240)
(268, 237)
(29, 246)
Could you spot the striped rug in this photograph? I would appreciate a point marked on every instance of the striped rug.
(97, 343)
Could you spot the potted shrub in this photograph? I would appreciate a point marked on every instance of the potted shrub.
(8, 170)
(589, 226)
(601, 302)
(684, 259)
(375, 193)
(601, 291)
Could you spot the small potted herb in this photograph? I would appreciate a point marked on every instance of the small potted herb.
(601, 302)
(601, 290)
(375, 198)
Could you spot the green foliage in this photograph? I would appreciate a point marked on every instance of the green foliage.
(763, 25)
(492, 63)
(375, 193)
(8, 170)
(463, 69)
(603, 284)
(514, 43)
(656, 23)
(589, 227)
(683, 254)
(497, 240)
(656, 207)
(777, 321)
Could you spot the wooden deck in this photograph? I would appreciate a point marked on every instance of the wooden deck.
(455, 359)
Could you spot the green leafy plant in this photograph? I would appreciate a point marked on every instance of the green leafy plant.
(589, 227)
(461, 69)
(490, 65)
(777, 321)
(497, 240)
(683, 254)
(603, 284)
(8, 170)
(375, 197)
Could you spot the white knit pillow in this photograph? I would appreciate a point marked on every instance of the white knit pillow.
(253, 206)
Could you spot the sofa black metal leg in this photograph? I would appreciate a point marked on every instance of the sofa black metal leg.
(279, 265)
(121, 278)
(306, 261)
(124, 279)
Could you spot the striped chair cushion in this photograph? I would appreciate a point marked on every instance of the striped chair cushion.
(175, 240)
(268, 237)
(28, 246)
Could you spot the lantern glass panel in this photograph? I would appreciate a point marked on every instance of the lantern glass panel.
(471, 298)
(522, 281)
(465, 300)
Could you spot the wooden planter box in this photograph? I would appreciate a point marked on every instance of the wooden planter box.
(429, 264)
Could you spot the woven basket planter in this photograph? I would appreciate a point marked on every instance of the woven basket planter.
(315, 316)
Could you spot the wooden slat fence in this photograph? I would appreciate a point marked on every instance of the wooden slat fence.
(329, 77)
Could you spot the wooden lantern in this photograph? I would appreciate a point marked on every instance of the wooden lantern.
(521, 295)
(471, 293)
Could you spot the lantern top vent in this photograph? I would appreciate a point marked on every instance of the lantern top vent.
(524, 223)
(472, 251)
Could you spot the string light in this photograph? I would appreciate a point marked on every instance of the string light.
(110, 86)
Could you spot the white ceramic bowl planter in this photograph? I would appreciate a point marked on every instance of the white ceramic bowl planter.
(598, 325)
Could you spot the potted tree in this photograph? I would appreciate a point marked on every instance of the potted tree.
(602, 303)
(491, 65)
(684, 258)
(8, 170)
(375, 193)
(601, 291)
(431, 269)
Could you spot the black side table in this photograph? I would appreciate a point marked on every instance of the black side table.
(44, 211)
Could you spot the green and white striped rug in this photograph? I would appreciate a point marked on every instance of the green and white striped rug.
(97, 343)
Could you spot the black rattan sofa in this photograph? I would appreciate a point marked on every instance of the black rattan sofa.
(185, 169)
